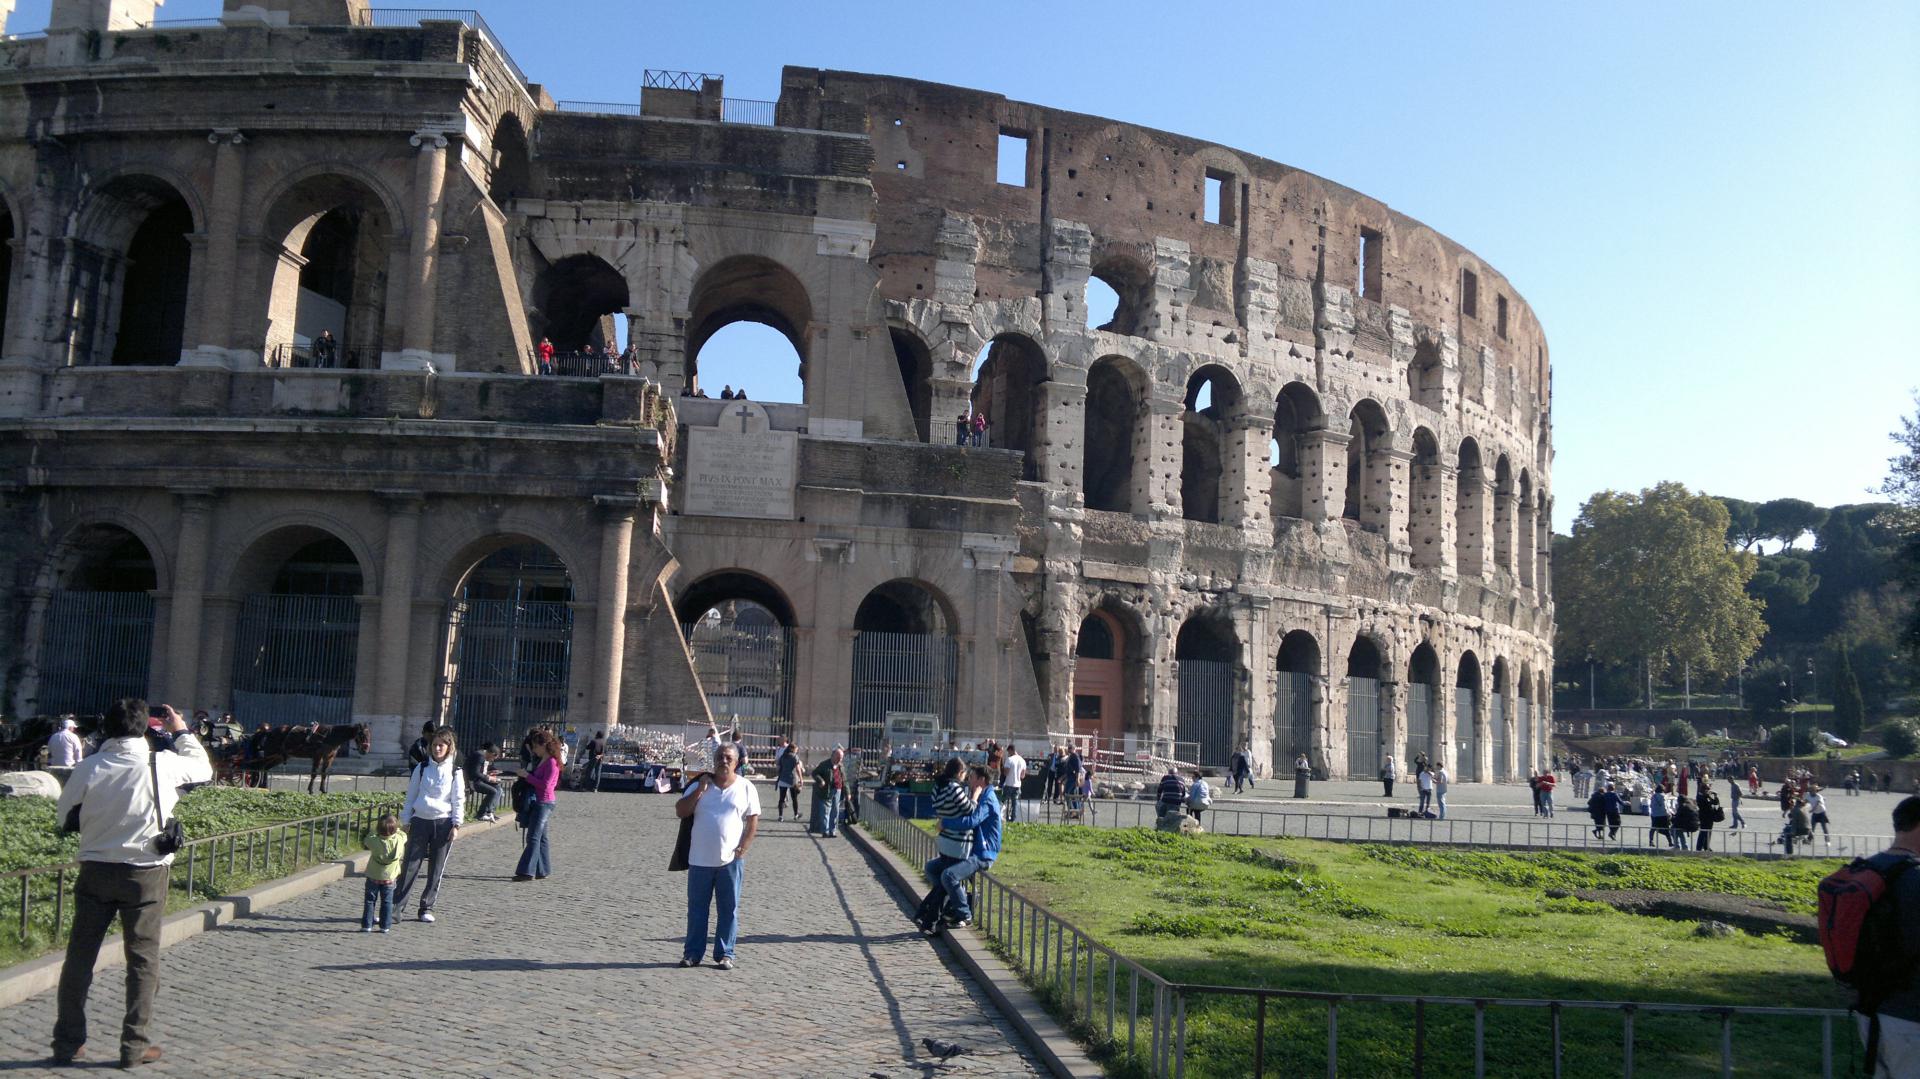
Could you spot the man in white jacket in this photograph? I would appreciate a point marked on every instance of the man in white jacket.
(122, 872)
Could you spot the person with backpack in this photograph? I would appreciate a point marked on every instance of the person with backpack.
(1710, 815)
(1870, 931)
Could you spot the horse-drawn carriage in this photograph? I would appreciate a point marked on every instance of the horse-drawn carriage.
(247, 759)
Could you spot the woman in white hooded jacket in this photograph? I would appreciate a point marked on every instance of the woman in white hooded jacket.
(436, 802)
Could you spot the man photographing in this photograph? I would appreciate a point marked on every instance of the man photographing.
(123, 795)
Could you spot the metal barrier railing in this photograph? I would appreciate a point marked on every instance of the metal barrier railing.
(199, 866)
(746, 110)
(580, 364)
(287, 355)
(1098, 990)
(604, 108)
(413, 16)
(1636, 834)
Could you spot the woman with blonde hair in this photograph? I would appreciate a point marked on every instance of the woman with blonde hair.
(436, 803)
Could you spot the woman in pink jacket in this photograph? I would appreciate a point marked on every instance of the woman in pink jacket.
(535, 857)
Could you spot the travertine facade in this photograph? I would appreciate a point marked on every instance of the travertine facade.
(1305, 466)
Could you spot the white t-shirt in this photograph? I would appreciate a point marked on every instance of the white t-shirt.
(1013, 770)
(719, 821)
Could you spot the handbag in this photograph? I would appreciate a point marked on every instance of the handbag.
(172, 836)
(682, 847)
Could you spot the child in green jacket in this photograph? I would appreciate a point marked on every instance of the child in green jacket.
(386, 842)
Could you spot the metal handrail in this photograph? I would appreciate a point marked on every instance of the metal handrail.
(1090, 983)
(604, 108)
(414, 16)
(746, 110)
(1516, 834)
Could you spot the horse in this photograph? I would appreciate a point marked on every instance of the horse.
(319, 745)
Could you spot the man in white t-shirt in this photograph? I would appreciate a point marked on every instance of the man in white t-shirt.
(726, 813)
(1013, 771)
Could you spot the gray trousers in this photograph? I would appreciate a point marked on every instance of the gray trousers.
(138, 895)
(427, 840)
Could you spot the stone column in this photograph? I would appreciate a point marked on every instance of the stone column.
(1323, 474)
(616, 551)
(1524, 539)
(1430, 521)
(1543, 553)
(396, 619)
(429, 181)
(189, 593)
(1245, 476)
(1503, 530)
(214, 280)
(1164, 453)
(1478, 561)
(1483, 727)
(1060, 434)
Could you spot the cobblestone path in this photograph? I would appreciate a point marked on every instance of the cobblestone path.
(574, 975)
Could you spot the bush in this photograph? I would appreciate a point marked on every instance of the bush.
(1802, 740)
(1679, 733)
(1900, 738)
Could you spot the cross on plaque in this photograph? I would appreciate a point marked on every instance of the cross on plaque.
(745, 414)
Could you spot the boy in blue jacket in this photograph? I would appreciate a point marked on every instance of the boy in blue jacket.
(984, 821)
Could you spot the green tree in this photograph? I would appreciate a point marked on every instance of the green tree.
(1900, 738)
(1903, 486)
(1679, 734)
(1647, 578)
(1849, 711)
(1743, 522)
(1802, 735)
(1787, 519)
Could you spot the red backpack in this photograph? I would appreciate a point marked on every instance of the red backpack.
(1859, 933)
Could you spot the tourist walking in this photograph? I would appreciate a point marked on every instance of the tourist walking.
(726, 814)
(1733, 801)
(536, 859)
(1013, 772)
(1660, 817)
(1423, 781)
(951, 845)
(383, 865)
(1388, 769)
(1241, 767)
(1817, 807)
(1544, 786)
(1604, 808)
(121, 795)
(436, 800)
(478, 767)
(1888, 1014)
(786, 782)
(984, 823)
(829, 787)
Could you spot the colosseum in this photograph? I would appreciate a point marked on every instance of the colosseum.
(278, 434)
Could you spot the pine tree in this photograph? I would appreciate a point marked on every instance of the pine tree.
(1849, 711)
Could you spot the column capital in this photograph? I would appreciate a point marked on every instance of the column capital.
(226, 136)
(617, 507)
(429, 138)
(1326, 436)
(400, 500)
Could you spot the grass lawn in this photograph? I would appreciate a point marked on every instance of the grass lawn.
(1330, 917)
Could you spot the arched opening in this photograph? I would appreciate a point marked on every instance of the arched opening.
(1109, 445)
(1119, 294)
(1099, 677)
(1366, 752)
(1503, 514)
(1006, 390)
(296, 642)
(1296, 414)
(1207, 659)
(509, 657)
(512, 162)
(128, 298)
(1523, 738)
(1424, 375)
(1523, 530)
(97, 633)
(1423, 696)
(905, 665)
(575, 302)
(1466, 706)
(335, 245)
(1469, 512)
(1298, 662)
(1497, 722)
(739, 629)
(916, 378)
(726, 344)
(1213, 397)
(1426, 511)
(1369, 497)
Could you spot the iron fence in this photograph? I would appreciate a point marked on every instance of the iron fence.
(1205, 709)
(900, 672)
(294, 659)
(1099, 992)
(744, 110)
(304, 356)
(604, 108)
(580, 364)
(510, 665)
(96, 648)
(414, 16)
(1363, 727)
(663, 79)
(1636, 834)
(259, 854)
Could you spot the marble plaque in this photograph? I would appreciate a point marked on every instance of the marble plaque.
(740, 473)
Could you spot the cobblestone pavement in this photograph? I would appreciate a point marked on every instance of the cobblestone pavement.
(574, 975)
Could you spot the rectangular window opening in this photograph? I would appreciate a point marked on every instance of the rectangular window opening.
(1469, 294)
(1370, 264)
(1219, 204)
(1500, 315)
(1012, 169)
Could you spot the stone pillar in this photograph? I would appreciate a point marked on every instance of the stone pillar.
(389, 712)
(1524, 543)
(1503, 530)
(1483, 727)
(1430, 521)
(1384, 507)
(616, 551)
(1323, 474)
(1543, 553)
(1476, 536)
(1164, 420)
(181, 684)
(1245, 478)
(1393, 724)
(429, 181)
(210, 344)
(1061, 432)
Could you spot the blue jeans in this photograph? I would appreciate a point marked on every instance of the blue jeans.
(1010, 797)
(936, 901)
(827, 812)
(535, 857)
(954, 879)
(379, 894)
(1426, 799)
(1440, 799)
(706, 883)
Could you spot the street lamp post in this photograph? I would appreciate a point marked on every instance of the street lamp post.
(1590, 681)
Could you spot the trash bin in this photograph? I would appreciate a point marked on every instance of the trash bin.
(1300, 777)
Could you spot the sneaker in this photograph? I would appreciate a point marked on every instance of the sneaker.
(724, 962)
(426, 916)
(366, 929)
(518, 877)
(152, 1054)
(386, 930)
(689, 962)
(961, 923)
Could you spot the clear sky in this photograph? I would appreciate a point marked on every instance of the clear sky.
(1713, 206)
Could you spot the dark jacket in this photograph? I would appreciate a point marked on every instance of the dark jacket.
(1173, 791)
(823, 776)
(1686, 817)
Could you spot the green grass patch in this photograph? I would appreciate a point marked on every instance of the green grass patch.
(1391, 919)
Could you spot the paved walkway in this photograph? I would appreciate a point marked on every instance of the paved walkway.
(575, 975)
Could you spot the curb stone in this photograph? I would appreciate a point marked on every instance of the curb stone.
(1063, 1056)
(35, 976)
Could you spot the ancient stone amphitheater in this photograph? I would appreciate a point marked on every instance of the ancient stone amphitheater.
(1293, 493)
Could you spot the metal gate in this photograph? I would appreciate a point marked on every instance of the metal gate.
(1292, 720)
(1465, 737)
(1524, 725)
(94, 650)
(1497, 727)
(294, 659)
(747, 675)
(900, 672)
(1205, 715)
(508, 667)
(1363, 727)
(1419, 723)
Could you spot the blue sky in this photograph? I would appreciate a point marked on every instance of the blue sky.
(1714, 207)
